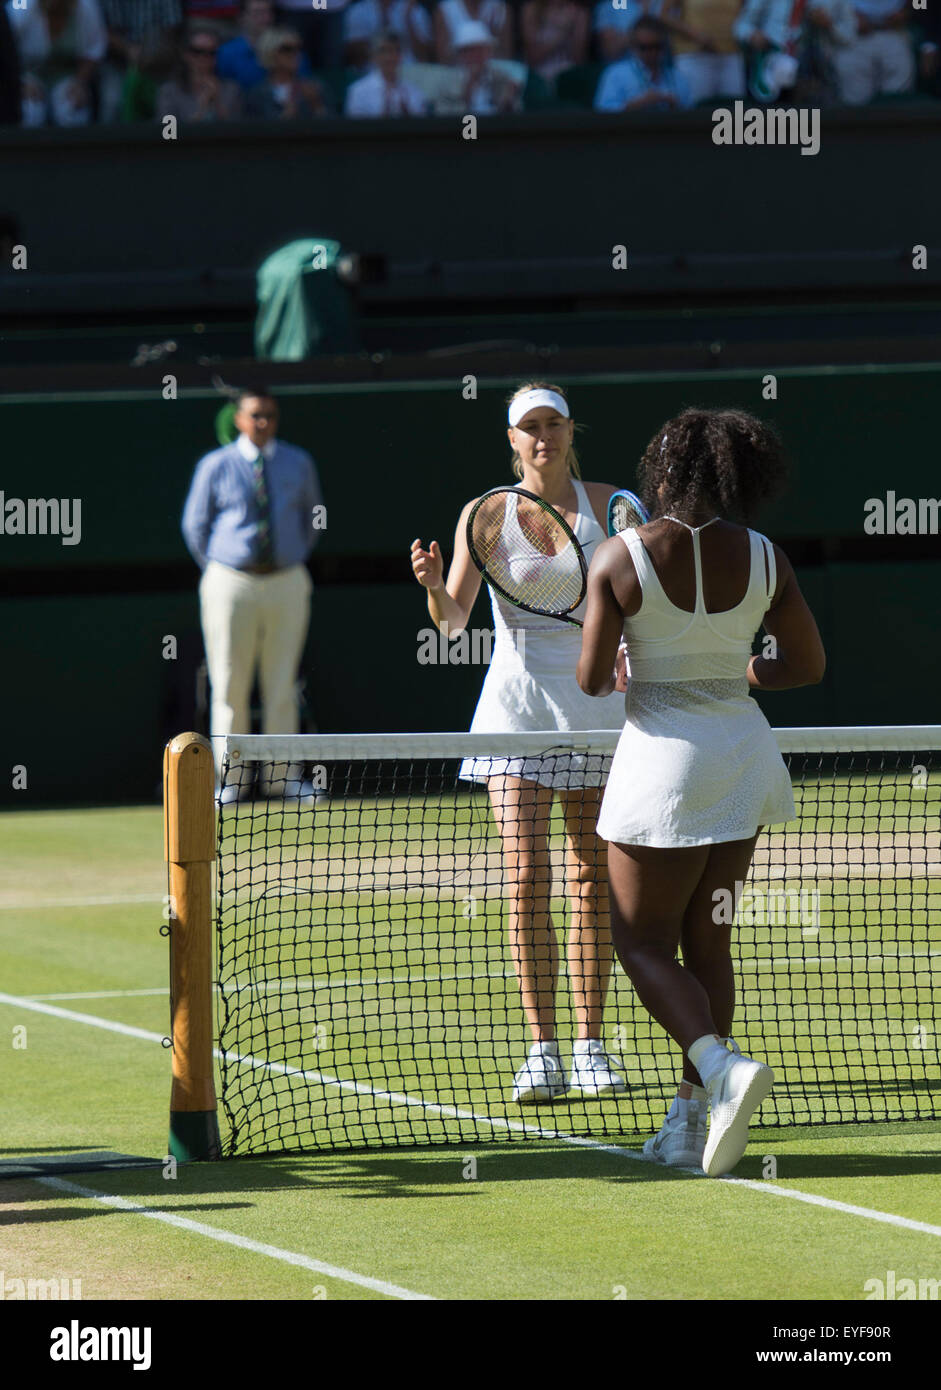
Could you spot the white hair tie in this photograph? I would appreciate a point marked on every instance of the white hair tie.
(663, 449)
(523, 404)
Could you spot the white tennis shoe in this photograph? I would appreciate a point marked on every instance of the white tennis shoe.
(681, 1141)
(540, 1078)
(734, 1096)
(593, 1072)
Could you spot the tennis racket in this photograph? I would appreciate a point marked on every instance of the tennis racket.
(625, 509)
(528, 553)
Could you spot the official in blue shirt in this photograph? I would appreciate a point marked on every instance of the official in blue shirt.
(646, 80)
(253, 515)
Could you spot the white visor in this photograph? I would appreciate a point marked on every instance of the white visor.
(527, 402)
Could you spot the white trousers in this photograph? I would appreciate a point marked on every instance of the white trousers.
(253, 622)
(712, 74)
(873, 64)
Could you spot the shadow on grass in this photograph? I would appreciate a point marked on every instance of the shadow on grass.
(40, 1163)
(462, 1172)
(63, 1149)
(53, 1214)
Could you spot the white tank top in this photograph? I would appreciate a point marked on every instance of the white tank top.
(506, 617)
(666, 643)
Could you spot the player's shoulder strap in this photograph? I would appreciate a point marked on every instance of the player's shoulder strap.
(768, 572)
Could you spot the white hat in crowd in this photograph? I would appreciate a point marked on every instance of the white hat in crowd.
(471, 33)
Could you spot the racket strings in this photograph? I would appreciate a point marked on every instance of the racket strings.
(625, 514)
(527, 554)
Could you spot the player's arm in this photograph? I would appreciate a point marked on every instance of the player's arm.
(604, 618)
(799, 657)
(448, 602)
(198, 512)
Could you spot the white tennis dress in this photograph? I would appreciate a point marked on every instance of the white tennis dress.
(531, 681)
(697, 763)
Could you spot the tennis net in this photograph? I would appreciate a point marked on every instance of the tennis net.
(366, 990)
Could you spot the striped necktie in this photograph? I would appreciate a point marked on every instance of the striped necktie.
(264, 551)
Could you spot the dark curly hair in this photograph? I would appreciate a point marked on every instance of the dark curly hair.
(724, 460)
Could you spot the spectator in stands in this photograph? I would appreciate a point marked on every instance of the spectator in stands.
(196, 93)
(220, 15)
(788, 47)
(284, 94)
(10, 80)
(829, 27)
(555, 36)
(382, 92)
(929, 45)
(484, 87)
(706, 52)
(61, 44)
(614, 22)
(452, 15)
(368, 20)
(321, 29)
(156, 63)
(238, 59)
(131, 25)
(646, 80)
(881, 59)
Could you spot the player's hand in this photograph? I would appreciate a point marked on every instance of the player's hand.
(620, 670)
(427, 565)
(759, 41)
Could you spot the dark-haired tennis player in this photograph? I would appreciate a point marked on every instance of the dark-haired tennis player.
(531, 685)
(697, 770)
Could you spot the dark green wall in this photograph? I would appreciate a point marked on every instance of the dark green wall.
(418, 192)
(84, 673)
(424, 450)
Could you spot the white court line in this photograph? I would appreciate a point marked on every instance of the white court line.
(832, 1205)
(108, 901)
(70, 1016)
(452, 1112)
(255, 1247)
(312, 985)
(104, 994)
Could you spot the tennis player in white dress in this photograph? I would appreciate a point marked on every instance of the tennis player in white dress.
(697, 770)
(531, 685)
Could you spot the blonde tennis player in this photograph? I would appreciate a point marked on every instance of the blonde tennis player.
(531, 684)
(697, 771)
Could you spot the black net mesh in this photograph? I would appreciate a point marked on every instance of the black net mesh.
(367, 990)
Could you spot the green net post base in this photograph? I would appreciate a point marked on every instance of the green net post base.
(194, 1135)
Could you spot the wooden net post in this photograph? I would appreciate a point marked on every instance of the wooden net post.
(190, 849)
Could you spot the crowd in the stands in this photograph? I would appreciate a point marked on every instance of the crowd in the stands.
(77, 62)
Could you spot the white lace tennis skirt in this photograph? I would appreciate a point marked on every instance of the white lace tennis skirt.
(696, 764)
(541, 694)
